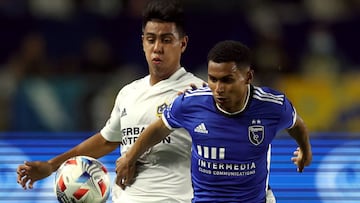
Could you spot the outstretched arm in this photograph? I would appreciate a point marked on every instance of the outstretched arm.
(303, 154)
(30, 172)
(125, 165)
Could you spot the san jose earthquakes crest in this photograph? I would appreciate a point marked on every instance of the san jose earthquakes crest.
(256, 134)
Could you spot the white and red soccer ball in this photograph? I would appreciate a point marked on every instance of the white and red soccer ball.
(82, 179)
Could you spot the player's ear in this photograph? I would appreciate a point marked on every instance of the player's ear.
(184, 43)
(142, 40)
(249, 76)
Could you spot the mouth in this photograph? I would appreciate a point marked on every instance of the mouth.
(156, 60)
(220, 100)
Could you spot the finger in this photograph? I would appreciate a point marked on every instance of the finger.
(117, 181)
(19, 169)
(22, 173)
(120, 182)
(31, 184)
(300, 167)
(29, 164)
(127, 181)
(193, 86)
(118, 159)
(23, 182)
(22, 168)
(19, 177)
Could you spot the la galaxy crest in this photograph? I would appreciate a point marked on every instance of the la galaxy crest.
(256, 132)
(160, 109)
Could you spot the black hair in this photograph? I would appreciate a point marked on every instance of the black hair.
(230, 51)
(165, 11)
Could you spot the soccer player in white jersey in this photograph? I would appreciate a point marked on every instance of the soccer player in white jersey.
(232, 124)
(164, 175)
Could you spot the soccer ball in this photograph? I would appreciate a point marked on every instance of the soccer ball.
(82, 179)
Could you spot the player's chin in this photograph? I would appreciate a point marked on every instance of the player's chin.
(221, 101)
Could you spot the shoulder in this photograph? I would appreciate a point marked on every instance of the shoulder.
(182, 80)
(135, 85)
(202, 91)
(191, 100)
(190, 77)
(191, 97)
(268, 95)
(196, 97)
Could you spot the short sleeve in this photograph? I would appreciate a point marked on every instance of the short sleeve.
(112, 129)
(288, 115)
(172, 115)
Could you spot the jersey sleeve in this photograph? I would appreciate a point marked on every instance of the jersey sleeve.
(112, 129)
(288, 115)
(172, 115)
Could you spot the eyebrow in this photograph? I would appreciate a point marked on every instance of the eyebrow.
(161, 35)
(224, 77)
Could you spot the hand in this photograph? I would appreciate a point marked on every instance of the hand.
(30, 172)
(125, 172)
(193, 87)
(300, 159)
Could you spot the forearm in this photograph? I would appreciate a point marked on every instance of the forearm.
(95, 146)
(152, 135)
(301, 135)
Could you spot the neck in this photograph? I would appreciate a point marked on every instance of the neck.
(242, 104)
(156, 76)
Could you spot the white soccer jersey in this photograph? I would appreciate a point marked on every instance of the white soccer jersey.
(164, 175)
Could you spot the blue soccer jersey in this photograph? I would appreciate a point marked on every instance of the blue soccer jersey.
(230, 159)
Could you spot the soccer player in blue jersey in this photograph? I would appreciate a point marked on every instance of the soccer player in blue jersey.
(232, 124)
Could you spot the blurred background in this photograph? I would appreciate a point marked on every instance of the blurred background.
(62, 63)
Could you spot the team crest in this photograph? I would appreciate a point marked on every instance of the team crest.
(256, 134)
(160, 109)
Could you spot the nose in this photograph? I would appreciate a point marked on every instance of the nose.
(158, 46)
(219, 88)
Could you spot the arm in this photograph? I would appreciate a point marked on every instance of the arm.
(95, 146)
(125, 165)
(303, 155)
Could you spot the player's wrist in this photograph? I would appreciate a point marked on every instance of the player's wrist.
(130, 158)
(53, 165)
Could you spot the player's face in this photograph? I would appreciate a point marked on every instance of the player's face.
(163, 48)
(229, 85)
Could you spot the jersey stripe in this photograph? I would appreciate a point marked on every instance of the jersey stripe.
(261, 91)
(265, 96)
(267, 99)
(198, 92)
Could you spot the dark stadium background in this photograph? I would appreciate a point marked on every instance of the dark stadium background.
(62, 63)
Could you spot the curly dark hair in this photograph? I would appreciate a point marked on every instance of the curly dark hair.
(230, 51)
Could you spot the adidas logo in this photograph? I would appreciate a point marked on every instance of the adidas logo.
(123, 113)
(201, 129)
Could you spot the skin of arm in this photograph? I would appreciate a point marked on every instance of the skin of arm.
(125, 165)
(95, 146)
(303, 154)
